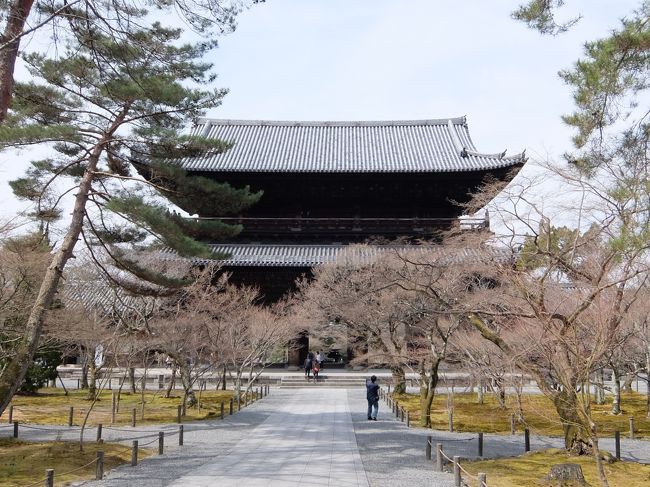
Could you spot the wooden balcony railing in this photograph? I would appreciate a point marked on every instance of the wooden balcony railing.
(349, 226)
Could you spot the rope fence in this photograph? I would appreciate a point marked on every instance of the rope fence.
(480, 480)
(152, 436)
(48, 480)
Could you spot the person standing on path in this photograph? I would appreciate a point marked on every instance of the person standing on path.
(308, 365)
(372, 394)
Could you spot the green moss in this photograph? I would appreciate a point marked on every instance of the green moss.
(532, 468)
(52, 406)
(539, 414)
(24, 463)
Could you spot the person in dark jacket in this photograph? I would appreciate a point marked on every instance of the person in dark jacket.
(308, 365)
(372, 394)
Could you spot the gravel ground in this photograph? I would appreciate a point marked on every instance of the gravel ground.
(392, 454)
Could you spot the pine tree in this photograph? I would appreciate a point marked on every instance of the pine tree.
(108, 97)
(20, 18)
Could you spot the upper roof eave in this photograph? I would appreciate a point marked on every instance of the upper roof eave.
(337, 123)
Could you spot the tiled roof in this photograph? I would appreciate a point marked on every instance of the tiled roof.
(101, 296)
(263, 255)
(391, 146)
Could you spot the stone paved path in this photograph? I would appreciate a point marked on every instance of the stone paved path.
(307, 440)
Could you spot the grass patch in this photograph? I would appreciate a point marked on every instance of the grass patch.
(23, 463)
(531, 468)
(539, 414)
(52, 406)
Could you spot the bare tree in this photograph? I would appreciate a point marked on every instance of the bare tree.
(355, 298)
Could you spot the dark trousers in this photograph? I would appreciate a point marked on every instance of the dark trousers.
(373, 408)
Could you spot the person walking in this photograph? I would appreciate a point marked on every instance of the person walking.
(372, 395)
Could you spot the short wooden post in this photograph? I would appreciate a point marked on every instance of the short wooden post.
(631, 428)
(482, 479)
(49, 477)
(134, 453)
(617, 441)
(133, 413)
(15, 429)
(78, 383)
(10, 418)
(439, 458)
(99, 431)
(513, 426)
(480, 444)
(180, 435)
(230, 410)
(221, 410)
(388, 388)
(457, 479)
(70, 416)
(401, 414)
(527, 440)
(451, 420)
(427, 449)
(99, 468)
(408, 419)
(161, 442)
(179, 415)
(113, 406)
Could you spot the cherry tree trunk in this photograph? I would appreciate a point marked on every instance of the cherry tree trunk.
(428, 383)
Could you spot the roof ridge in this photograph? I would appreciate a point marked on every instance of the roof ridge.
(333, 123)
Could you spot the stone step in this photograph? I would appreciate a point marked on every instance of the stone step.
(296, 385)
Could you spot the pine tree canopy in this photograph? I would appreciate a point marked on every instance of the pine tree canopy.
(610, 87)
(107, 100)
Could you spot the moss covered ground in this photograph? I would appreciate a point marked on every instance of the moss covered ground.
(531, 469)
(539, 414)
(52, 406)
(24, 463)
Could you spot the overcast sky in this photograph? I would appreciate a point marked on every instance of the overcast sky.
(407, 59)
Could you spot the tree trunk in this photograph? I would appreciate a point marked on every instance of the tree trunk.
(132, 380)
(10, 41)
(647, 381)
(223, 379)
(479, 390)
(172, 383)
(599, 384)
(91, 381)
(428, 383)
(576, 438)
(16, 368)
(499, 391)
(627, 382)
(85, 363)
(616, 403)
(399, 379)
(189, 399)
(600, 468)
